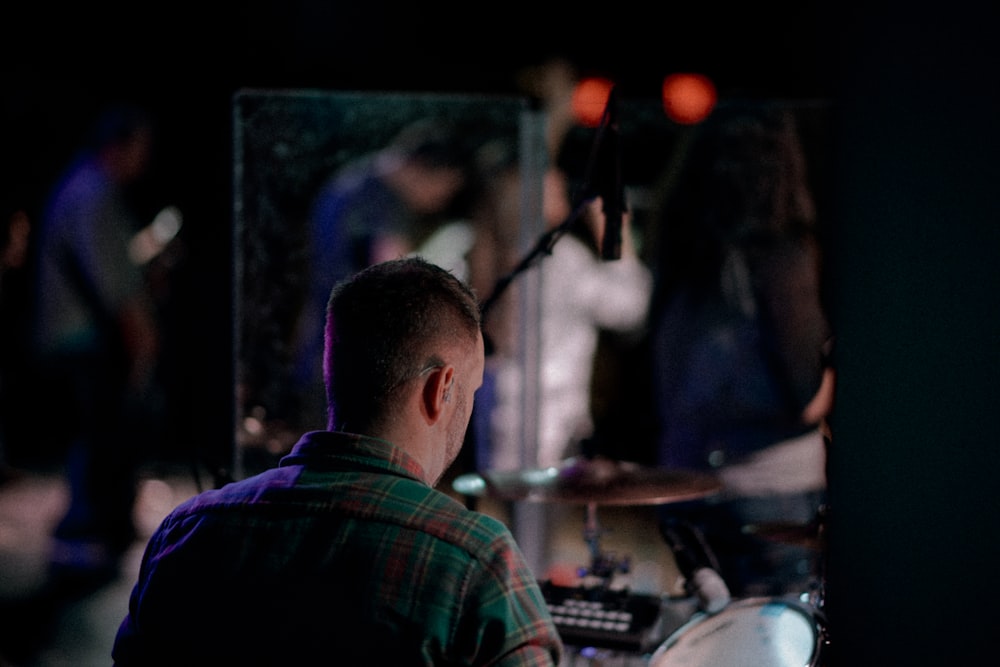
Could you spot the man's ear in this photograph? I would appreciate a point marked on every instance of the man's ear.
(437, 391)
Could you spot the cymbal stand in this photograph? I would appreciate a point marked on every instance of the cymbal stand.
(603, 566)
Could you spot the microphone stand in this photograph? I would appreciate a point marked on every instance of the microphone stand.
(543, 247)
(548, 240)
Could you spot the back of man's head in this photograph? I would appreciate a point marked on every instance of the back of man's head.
(384, 326)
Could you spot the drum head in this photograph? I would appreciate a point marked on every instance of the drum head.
(764, 632)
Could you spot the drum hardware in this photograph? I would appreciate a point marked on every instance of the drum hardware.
(596, 614)
(602, 565)
(811, 535)
(806, 535)
(592, 482)
(697, 563)
(764, 631)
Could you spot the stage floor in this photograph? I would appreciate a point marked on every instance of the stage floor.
(75, 628)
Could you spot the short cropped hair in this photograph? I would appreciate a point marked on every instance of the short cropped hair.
(383, 327)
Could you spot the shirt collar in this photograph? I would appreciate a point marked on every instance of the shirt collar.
(334, 449)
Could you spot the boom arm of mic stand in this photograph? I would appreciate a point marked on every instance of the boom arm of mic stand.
(544, 247)
(591, 191)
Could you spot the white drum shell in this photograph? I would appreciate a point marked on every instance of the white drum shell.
(764, 632)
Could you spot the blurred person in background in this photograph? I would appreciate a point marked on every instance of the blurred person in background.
(96, 338)
(581, 295)
(739, 343)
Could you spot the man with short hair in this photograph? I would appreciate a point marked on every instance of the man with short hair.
(345, 553)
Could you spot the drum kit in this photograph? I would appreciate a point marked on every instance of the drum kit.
(763, 631)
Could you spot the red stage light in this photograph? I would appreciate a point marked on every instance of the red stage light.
(688, 98)
(590, 97)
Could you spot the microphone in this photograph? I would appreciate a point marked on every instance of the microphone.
(701, 579)
(609, 179)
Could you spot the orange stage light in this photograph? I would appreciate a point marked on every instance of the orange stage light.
(590, 97)
(688, 98)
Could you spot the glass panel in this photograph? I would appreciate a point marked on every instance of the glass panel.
(286, 145)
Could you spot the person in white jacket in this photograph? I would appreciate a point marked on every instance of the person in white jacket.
(579, 296)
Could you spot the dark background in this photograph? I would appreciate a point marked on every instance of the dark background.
(913, 468)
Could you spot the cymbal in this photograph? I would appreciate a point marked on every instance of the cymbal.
(598, 481)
